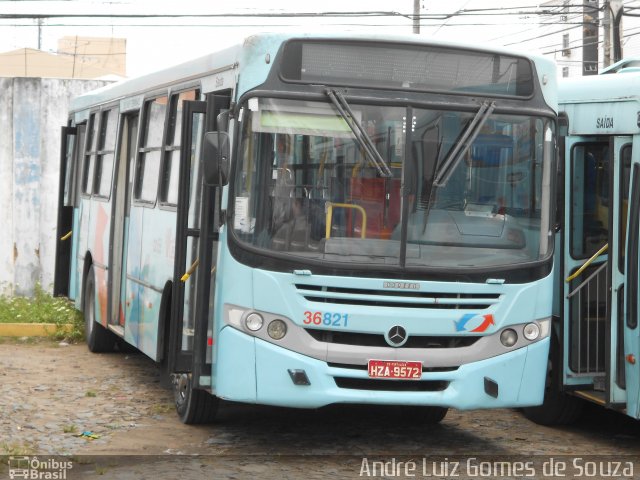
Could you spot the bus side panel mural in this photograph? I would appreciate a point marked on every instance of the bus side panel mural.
(100, 256)
(158, 246)
(134, 288)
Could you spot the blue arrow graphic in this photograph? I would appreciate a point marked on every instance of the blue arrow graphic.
(463, 321)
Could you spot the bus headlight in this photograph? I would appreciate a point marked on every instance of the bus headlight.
(531, 331)
(277, 329)
(508, 337)
(254, 322)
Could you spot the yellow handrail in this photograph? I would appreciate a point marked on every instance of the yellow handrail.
(189, 272)
(588, 262)
(67, 236)
(345, 205)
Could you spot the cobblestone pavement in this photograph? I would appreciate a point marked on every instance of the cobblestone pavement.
(57, 400)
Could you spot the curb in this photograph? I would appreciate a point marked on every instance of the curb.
(32, 329)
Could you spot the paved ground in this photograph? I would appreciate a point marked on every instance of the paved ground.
(50, 395)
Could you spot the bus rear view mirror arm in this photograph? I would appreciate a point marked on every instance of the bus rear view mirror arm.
(216, 158)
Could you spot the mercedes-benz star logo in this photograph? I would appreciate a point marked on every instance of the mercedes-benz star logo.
(396, 336)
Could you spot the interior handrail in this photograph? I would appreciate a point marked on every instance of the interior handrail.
(587, 263)
(588, 279)
(330, 206)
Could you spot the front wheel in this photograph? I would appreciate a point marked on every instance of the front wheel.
(193, 405)
(557, 408)
(99, 339)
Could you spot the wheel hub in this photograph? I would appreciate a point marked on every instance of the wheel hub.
(181, 388)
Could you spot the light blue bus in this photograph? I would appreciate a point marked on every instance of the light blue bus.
(596, 347)
(313, 219)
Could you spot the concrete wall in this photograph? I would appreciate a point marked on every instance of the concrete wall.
(32, 110)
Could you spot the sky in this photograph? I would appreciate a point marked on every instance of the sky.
(154, 43)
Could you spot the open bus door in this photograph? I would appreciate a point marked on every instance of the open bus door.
(632, 305)
(190, 324)
(585, 293)
(593, 264)
(618, 220)
(189, 269)
(598, 345)
(65, 212)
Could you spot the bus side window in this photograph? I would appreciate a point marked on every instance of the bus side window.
(147, 169)
(105, 153)
(625, 176)
(590, 209)
(171, 160)
(89, 155)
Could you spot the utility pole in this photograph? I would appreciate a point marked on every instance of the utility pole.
(616, 8)
(613, 10)
(590, 13)
(606, 34)
(39, 34)
(416, 16)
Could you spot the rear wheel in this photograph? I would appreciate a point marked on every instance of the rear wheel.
(557, 408)
(99, 339)
(193, 405)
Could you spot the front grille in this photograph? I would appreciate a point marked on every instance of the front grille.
(365, 367)
(377, 340)
(382, 385)
(401, 298)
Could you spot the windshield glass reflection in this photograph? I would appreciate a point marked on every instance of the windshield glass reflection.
(305, 186)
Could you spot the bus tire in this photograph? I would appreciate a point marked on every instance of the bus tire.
(193, 406)
(424, 415)
(99, 339)
(558, 408)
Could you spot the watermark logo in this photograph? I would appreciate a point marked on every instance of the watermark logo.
(508, 467)
(34, 468)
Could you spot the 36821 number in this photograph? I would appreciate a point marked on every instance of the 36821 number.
(327, 319)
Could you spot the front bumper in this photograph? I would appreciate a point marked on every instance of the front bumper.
(252, 370)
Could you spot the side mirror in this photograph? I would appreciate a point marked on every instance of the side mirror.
(216, 158)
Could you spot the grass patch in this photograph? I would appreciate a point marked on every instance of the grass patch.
(100, 470)
(161, 408)
(16, 448)
(70, 428)
(43, 308)
(90, 393)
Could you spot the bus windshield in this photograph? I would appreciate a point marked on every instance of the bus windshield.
(444, 188)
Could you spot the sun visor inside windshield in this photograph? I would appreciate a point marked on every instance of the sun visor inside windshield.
(297, 118)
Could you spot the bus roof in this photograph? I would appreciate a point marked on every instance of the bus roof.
(258, 46)
(600, 88)
(624, 65)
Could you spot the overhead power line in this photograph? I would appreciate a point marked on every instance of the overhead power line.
(459, 18)
(522, 10)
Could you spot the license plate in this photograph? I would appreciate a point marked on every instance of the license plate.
(395, 369)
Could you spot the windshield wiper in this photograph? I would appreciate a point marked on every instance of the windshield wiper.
(464, 143)
(361, 135)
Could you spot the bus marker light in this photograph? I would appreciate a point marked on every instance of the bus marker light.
(491, 387)
(254, 322)
(509, 337)
(299, 377)
(631, 358)
(531, 331)
(277, 329)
